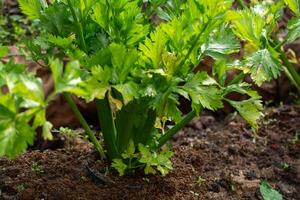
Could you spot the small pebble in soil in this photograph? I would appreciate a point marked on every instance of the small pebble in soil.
(214, 187)
(250, 175)
(232, 149)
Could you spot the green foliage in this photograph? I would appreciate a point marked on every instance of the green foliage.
(203, 92)
(66, 80)
(248, 26)
(221, 44)
(161, 161)
(250, 109)
(37, 168)
(153, 48)
(262, 66)
(294, 5)
(122, 20)
(261, 61)
(119, 165)
(3, 51)
(32, 8)
(294, 30)
(151, 161)
(200, 181)
(294, 23)
(22, 109)
(268, 193)
(15, 28)
(257, 26)
(137, 69)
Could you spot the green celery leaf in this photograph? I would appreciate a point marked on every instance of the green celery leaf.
(203, 90)
(15, 137)
(171, 109)
(159, 160)
(207, 8)
(32, 8)
(91, 89)
(101, 57)
(7, 107)
(294, 5)
(15, 132)
(101, 14)
(224, 43)
(57, 20)
(102, 74)
(46, 134)
(166, 105)
(62, 42)
(262, 65)
(164, 162)
(13, 68)
(30, 89)
(294, 30)
(123, 60)
(128, 90)
(249, 109)
(153, 48)
(268, 193)
(130, 151)
(248, 26)
(67, 80)
(92, 85)
(3, 51)
(128, 21)
(71, 80)
(170, 64)
(119, 165)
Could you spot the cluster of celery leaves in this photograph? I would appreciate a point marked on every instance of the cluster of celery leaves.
(135, 59)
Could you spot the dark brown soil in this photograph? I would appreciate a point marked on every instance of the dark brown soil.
(226, 154)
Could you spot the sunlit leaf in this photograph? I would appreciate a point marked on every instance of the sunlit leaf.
(248, 26)
(294, 5)
(32, 8)
(262, 66)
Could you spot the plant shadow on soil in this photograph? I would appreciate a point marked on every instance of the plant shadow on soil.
(214, 159)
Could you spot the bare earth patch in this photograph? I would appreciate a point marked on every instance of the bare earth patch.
(213, 160)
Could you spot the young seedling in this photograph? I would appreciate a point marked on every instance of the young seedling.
(194, 194)
(285, 166)
(37, 168)
(295, 138)
(200, 181)
(20, 187)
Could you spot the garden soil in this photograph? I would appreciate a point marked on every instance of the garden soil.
(215, 158)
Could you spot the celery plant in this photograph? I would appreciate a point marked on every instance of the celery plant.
(136, 69)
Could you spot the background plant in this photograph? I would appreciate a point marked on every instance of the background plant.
(14, 27)
(257, 26)
(22, 107)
